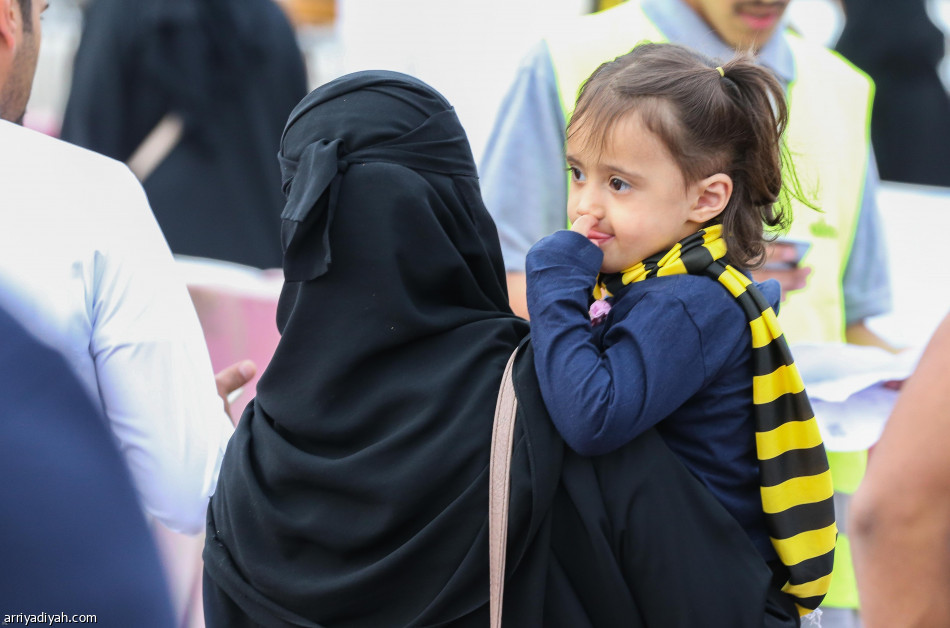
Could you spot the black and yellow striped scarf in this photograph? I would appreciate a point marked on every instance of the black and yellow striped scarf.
(795, 481)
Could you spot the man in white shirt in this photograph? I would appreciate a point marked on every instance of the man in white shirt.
(85, 268)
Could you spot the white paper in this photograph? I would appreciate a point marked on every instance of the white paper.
(845, 384)
(855, 424)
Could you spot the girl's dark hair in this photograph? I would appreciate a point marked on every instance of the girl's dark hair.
(730, 123)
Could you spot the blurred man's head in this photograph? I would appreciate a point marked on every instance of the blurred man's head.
(742, 24)
(20, 35)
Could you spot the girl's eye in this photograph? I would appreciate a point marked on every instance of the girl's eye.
(576, 174)
(618, 184)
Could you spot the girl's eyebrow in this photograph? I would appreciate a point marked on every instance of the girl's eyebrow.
(626, 173)
(633, 176)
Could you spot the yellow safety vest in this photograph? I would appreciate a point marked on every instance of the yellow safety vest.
(828, 139)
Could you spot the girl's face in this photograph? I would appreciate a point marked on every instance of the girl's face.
(630, 200)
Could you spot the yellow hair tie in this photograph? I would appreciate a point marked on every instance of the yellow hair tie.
(720, 70)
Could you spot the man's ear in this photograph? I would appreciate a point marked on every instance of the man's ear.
(10, 18)
(712, 196)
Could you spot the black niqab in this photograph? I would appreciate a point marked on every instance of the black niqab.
(362, 462)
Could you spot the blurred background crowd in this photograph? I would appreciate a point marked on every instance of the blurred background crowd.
(468, 49)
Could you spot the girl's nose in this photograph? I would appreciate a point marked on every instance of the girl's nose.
(590, 204)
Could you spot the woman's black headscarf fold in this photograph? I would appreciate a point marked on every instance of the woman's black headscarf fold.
(361, 466)
(377, 117)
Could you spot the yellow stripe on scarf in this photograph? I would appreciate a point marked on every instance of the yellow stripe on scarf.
(810, 589)
(808, 544)
(786, 437)
(734, 281)
(765, 329)
(776, 499)
(635, 273)
(783, 380)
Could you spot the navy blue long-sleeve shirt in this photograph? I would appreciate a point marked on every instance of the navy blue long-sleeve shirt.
(674, 352)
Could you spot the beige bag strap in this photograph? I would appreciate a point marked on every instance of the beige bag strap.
(499, 485)
(156, 146)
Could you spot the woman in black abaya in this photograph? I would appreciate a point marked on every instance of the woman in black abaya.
(230, 71)
(354, 491)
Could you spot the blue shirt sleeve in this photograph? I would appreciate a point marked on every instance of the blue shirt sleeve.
(523, 172)
(651, 361)
(866, 282)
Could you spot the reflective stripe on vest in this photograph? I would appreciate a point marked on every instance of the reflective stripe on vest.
(828, 138)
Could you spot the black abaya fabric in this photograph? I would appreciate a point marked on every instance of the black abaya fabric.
(354, 490)
(232, 70)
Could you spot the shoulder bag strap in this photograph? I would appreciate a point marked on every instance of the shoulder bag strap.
(156, 146)
(499, 471)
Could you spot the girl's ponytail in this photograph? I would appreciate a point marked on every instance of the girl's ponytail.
(758, 196)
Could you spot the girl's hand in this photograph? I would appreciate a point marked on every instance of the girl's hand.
(583, 224)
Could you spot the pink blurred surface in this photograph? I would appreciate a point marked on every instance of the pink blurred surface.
(237, 327)
(237, 308)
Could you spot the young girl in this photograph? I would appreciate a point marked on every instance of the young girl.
(675, 165)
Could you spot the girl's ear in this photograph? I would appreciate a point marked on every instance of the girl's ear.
(712, 196)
